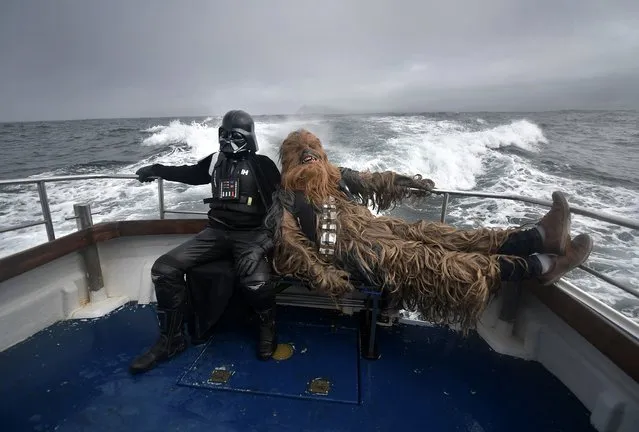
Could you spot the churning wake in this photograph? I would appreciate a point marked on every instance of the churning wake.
(475, 154)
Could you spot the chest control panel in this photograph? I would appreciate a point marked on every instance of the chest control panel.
(229, 189)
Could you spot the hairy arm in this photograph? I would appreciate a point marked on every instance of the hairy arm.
(385, 189)
(296, 256)
(197, 174)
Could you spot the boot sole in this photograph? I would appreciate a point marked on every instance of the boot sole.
(156, 362)
(565, 229)
(581, 261)
(137, 371)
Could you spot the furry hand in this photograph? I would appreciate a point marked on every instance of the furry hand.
(416, 182)
(423, 184)
(335, 282)
(421, 187)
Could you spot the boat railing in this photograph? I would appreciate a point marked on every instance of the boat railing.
(47, 221)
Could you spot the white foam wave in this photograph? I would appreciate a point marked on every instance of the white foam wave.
(154, 129)
(454, 155)
(199, 137)
(128, 199)
(446, 151)
(192, 141)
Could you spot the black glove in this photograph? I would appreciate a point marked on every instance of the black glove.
(249, 259)
(145, 173)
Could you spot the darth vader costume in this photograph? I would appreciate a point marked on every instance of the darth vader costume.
(242, 184)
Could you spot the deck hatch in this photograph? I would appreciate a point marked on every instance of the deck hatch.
(324, 364)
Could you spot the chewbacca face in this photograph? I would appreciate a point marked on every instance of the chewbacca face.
(301, 147)
(305, 166)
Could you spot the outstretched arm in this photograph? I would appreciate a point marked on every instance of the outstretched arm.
(385, 189)
(197, 174)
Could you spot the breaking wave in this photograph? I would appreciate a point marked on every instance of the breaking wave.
(462, 155)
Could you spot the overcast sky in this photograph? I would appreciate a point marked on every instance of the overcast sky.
(131, 58)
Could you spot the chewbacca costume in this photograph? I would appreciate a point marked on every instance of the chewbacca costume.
(324, 234)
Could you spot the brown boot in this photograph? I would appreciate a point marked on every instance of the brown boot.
(556, 225)
(577, 252)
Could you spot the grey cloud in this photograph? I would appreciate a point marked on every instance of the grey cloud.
(72, 59)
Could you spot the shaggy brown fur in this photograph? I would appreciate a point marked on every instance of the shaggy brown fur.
(318, 180)
(386, 189)
(444, 273)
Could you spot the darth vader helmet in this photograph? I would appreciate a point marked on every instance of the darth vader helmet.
(237, 133)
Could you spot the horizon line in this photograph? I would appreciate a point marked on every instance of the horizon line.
(334, 113)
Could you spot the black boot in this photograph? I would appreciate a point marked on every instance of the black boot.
(268, 336)
(170, 343)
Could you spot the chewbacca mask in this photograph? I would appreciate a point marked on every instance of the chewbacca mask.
(325, 235)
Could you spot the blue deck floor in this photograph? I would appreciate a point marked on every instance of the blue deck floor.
(73, 376)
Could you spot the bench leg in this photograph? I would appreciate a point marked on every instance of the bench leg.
(368, 329)
(373, 327)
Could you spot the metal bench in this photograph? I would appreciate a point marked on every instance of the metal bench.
(367, 299)
(210, 289)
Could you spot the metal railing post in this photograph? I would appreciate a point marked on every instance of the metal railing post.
(46, 212)
(161, 197)
(90, 256)
(444, 208)
(47, 220)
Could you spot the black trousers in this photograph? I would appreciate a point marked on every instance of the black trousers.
(524, 244)
(168, 271)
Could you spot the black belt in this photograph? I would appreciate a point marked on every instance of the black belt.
(243, 199)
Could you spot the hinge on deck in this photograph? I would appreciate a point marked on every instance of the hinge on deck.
(320, 386)
(220, 376)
